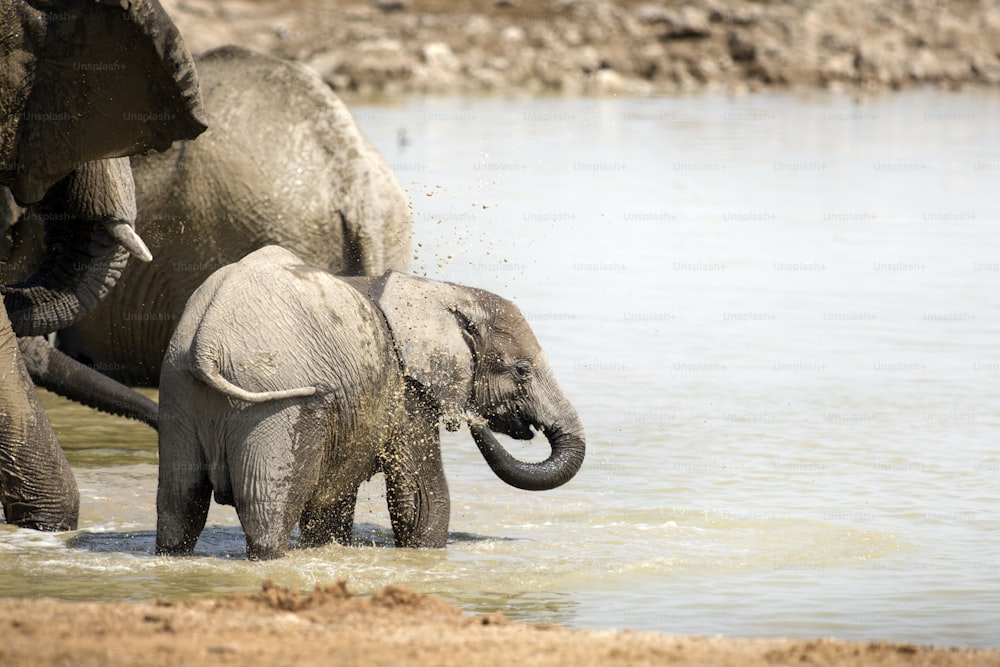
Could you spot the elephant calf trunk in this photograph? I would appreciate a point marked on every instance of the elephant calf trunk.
(568, 448)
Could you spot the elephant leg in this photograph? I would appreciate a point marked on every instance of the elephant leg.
(185, 488)
(330, 521)
(273, 474)
(417, 492)
(37, 488)
(351, 460)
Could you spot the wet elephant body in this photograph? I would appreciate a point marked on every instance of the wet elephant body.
(84, 84)
(285, 387)
(282, 163)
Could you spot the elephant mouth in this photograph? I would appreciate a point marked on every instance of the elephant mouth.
(519, 429)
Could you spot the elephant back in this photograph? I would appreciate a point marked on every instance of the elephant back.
(272, 321)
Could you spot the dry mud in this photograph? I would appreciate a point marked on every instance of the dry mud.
(394, 627)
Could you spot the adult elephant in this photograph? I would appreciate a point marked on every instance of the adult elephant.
(284, 163)
(82, 84)
(285, 387)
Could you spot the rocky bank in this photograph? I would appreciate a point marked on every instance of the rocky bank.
(601, 47)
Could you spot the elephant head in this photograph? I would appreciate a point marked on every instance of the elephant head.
(85, 83)
(87, 80)
(475, 357)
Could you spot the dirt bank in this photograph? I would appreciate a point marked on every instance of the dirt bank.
(609, 47)
(395, 627)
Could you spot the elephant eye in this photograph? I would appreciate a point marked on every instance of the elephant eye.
(465, 323)
(522, 370)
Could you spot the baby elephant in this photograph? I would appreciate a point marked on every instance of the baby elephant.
(285, 387)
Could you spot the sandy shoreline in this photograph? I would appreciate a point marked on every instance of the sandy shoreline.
(394, 627)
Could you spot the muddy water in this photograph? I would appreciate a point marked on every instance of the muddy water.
(778, 317)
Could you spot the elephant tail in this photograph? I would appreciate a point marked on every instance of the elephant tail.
(214, 379)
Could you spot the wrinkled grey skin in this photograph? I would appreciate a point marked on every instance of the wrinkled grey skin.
(44, 305)
(83, 84)
(285, 387)
(282, 163)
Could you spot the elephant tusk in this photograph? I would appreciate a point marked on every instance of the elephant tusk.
(124, 233)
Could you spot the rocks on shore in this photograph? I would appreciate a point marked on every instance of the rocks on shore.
(608, 47)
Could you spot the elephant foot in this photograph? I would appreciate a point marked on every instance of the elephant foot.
(423, 544)
(55, 513)
(257, 551)
(56, 525)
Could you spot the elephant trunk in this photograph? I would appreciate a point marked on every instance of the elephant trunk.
(82, 262)
(568, 447)
(53, 370)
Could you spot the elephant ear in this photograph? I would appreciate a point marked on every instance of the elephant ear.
(432, 346)
(92, 80)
